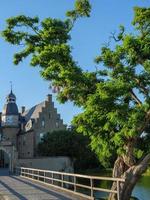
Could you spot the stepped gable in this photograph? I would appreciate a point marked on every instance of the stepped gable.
(33, 113)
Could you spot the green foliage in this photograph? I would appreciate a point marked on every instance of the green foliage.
(115, 98)
(69, 143)
(82, 9)
(142, 19)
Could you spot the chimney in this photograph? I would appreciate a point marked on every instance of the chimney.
(49, 98)
(23, 109)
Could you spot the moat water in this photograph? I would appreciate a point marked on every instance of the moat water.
(141, 190)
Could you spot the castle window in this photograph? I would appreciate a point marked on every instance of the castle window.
(43, 122)
(41, 136)
(57, 124)
(49, 115)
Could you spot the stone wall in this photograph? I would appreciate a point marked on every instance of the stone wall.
(49, 163)
(10, 134)
(26, 145)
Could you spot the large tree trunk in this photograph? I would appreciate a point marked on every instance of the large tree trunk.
(130, 174)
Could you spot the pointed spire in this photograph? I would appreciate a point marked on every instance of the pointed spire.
(11, 87)
(11, 98)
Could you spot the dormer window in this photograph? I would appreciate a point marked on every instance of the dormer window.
(12, 100)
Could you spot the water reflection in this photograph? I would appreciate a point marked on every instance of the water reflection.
(142, 189)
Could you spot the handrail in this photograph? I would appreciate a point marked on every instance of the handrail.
(63, 180)
(77, 175)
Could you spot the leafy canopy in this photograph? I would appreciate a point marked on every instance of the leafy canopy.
(115, 98)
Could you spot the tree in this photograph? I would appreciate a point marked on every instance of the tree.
(115, 98)
(69, 143)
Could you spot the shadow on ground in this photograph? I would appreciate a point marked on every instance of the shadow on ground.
(4, 172)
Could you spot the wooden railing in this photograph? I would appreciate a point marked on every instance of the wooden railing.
(70, 182)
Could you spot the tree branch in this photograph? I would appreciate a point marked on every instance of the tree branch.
(113, 36)
(147, 121)
(143, 165)
(36, 32)
(142, 87)
(135, 98)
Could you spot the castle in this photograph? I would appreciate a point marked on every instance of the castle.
(20, 132)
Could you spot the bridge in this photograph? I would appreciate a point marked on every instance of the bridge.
(36, 184)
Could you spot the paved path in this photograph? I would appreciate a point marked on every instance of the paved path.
(17, 188)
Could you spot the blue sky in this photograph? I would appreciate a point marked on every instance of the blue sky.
(88, 36)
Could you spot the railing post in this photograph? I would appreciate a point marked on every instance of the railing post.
(44, 176)
(118, 190)
(32, 175)
(62, 178)
(75, 180)
(38, 175)
(52, 178)
(91, 183)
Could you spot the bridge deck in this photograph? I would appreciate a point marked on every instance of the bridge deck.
(17, 188)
